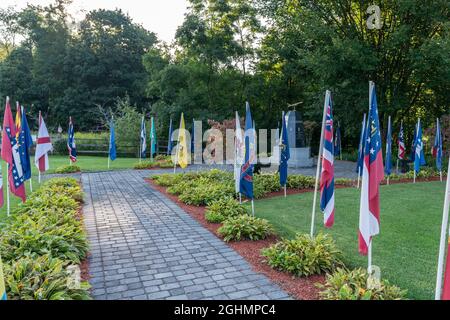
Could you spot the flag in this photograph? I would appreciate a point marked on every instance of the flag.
(285, 153)
(112, 141)
(338, 142)
(169, 144)
(327, 178)
(359, 167)
(369, 213)
(413, 146)
(153, 140)
(11, 153)
(43, 147)
(143, 139)
(2, 282)
(418, 160)
(182, 150)
(71, 145)
(239, 154)
(401, 144)
(388, 164)
(246, 183)
(26, 141)
(437, 148)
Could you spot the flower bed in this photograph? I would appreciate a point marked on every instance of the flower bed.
(42, 241)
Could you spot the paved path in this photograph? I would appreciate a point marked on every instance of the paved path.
(143, 246)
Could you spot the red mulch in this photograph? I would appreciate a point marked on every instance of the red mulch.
(299, 288)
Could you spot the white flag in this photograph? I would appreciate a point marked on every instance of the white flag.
(43, 147)
(239, 153)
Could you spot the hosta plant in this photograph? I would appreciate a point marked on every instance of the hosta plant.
(68, 169)
(245, 227)
(224, 208)
(303, 255)
(354, 285)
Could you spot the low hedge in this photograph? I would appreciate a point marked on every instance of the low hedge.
(353, 285)
(68, 169)
(42, 238)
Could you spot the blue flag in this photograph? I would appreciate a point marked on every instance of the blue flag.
(285, 153)
(27, 142)
(153, 139)
(112, 142)
(71, 145)
(437, 149)
(418, 160)
(337, 142)
(359, 167)
(169, 144)
(143, 139)
(246, 184)
(388, 164)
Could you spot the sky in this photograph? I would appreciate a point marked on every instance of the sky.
(159, 16)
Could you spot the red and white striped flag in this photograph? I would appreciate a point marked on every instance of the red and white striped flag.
(373, 174)
(43, 146)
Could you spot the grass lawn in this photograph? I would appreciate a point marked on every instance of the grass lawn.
(407, 248)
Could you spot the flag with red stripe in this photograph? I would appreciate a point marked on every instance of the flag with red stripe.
(11, 153)
(327, 177)
(373, 174)
(43, 146)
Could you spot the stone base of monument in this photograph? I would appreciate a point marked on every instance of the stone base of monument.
(300, 158)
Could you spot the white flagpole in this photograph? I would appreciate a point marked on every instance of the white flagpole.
(285, 191)
(253, 207)
(397, 165)
(440, 270)
(31, 185)
(369, 258)
(8, 207)
(240, 198)
(340, 141)
(316, 187)
(359, 177)
(39, 177)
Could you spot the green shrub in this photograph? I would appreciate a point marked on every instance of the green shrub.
(166, 164)
(269, 182)
(219, 210)
(304, 256)
(202, 194)
(43, 278)
(353, 285)
(145, 165)
(68, 169)
(162, 158)
(245, 227)
(343, 182)
(300, 182)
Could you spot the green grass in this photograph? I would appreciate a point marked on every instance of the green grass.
(407, 248)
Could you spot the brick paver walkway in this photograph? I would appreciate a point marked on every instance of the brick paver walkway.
(143, 246)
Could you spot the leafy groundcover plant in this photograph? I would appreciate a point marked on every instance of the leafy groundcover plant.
(220, 210)
(68, 169)
(41, 240)
(353, 285)
(304, 256)
(245, 227)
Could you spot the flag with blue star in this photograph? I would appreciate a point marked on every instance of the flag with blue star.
(11, 153)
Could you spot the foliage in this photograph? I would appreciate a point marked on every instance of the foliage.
(353, 285)
(145, 165)
(245, 227)
(68, 169)
(300, 182)
(158, 162)
(43, 278)
(304, 256)
(220, 210)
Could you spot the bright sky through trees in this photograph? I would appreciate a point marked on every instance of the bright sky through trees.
(159, 16)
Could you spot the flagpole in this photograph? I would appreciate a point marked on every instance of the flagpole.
(285, 191)
(39, 177)
(390, 162)
(440, 270)
(253, 207)
(359, 177)
(31, 185)
(8, 207)
(369, 258)
(397, 165)
(340, 141)
(316, 187)
(415, 151)
(240, 198)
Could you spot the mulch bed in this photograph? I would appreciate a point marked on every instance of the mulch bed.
(299, 288)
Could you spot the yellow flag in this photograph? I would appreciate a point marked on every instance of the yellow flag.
(2, 283)
(182, 145)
